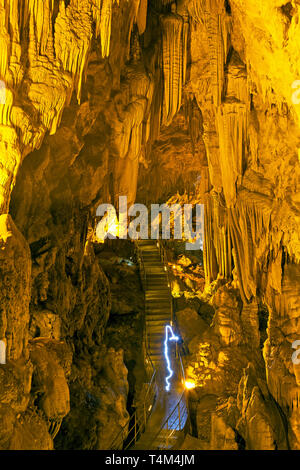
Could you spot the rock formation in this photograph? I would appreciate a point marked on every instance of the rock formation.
(155, 100)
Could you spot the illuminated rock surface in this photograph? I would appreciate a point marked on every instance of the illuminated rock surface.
(149, 99)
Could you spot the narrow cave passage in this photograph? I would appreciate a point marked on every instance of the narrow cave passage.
(149, 178)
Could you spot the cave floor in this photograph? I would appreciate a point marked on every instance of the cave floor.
(157, 427)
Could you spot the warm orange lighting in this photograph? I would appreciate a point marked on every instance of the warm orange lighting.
(112, 226)
(189, 385)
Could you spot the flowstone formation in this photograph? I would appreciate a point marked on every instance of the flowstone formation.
(152, 100)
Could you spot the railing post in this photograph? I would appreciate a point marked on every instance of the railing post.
(167, 439)
(179, 416)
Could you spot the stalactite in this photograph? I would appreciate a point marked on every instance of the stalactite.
(155, 117)
(96, 14)
(217, 59)
(5, 109)
(10, 159)
(211, 141)
(4, 43)
(172, 43)
(218, 247)
(182, 11)
(212, 15)
(127, 135)
(209, 254)
(105, 26)
(249, 224)
(232, 127)
(142, 16)
(160, 5)
(222, 241)
(102, 16)
(73, 34)
(241, 256)
(42, 11)
(58, 38)
(194, 120)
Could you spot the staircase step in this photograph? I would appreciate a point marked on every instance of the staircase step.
(158, 321)
(158, 309)
(156, 345)
(156, 295)
(155, 355)
(154, 314)
(162, 304)
(157, 338)
(157, 326)
(155, 348)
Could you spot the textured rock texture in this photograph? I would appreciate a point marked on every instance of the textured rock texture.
(101, 98)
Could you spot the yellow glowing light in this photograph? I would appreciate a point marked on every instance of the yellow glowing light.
(113, 229)
(112, 226)
(189, 385)
(174, 267)
(165, 268)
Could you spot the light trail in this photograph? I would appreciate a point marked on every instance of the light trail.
(167, 338)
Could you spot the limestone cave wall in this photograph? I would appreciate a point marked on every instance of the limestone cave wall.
(101, 98)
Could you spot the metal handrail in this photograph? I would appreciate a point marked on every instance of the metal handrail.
(139, 425)
(148, 400)
(178, 415)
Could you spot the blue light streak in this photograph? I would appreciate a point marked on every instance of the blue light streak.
(167, 338)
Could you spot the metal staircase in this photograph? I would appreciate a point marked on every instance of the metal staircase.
(158, 300)
(163, 421)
